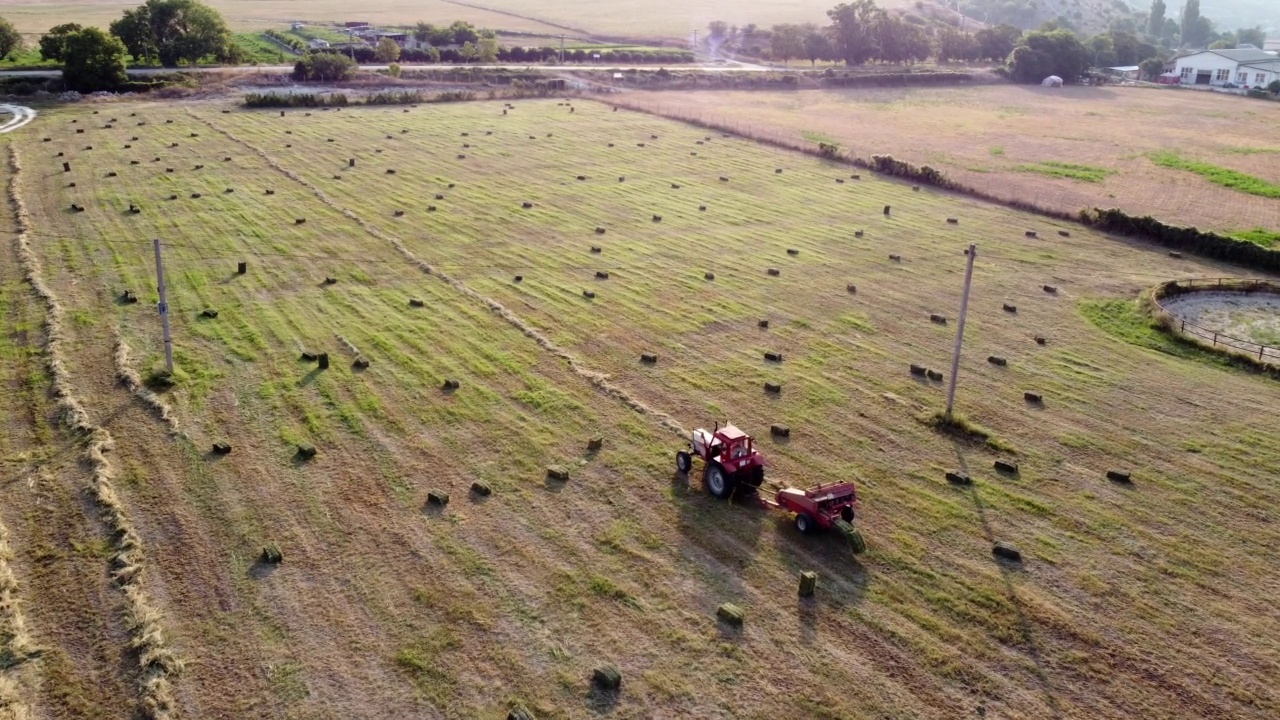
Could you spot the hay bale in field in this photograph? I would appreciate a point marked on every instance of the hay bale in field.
(648, 359)
(271, 553)
(599, 231)
(773, 357)
(1004, 466)
(198, 167)
(173, 197)
(1175, 254)
(589, 294)
(997, 360)
(731, 614)
(466, 146)
(1031, 397)
(452, 185)
(887, 209)
(918, 370)
(195, 196)
(415, 302)
(462, 157)
(693, 154)
(852, 289)
(330, 280)
(606, 677)
(79, 131)
(270, 192)
(450, 385)
(595, 443)
(482, 489)
(221, 449)
(168, 170)
(775, 272)
(708, 276)
(779, 431)
(724, 178)
(596, 249)
(228, 191)
(839, 181)
(657, 218)
(1064, 233)
(1005, 551)
(915, 188)
(602, 274)
(774, 388)
(1050, 289)
(763, 324)
(858, 233)
(288, 145)
(777, 171)
(1120, 476)
(242, 267)
(938, 319)
(307, 451)
(610, 144)
(77, 208)
(322, 361)
(934, 375)
(439, 196)
(1041, 340)
(134, 209)
(702, 208)
(808, 583)
(793, 251)
(958, 477)
(895, 257)
(622, 178)
(855, 177)
(209, 313)
(526, 205)
(674, 186)
(953, 221)
(1031, 233)
(1010, 308)
(360, 363)
(390, 171)
(88, 147)
(518, 278)
(398, 213)
(134, 162)
(558, 472)
(128, 297)
(47, 139)
(437, 497)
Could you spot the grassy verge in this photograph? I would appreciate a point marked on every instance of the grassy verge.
(1218, 175)
(260, 50)
(1258, 236)
(1070, 171)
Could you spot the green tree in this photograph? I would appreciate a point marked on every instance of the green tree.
(487, 50)
(1155, 20)
(463, 33)
(324, 67)
(1041, 54)
(1254, 36)
(787, 41)
(817, 46)
(174, 31)
(394, 70)
(996, 43)
(1225, 42)
(954, 45)
(433, 55)
(853, 26)
(469, 52)
(423, 31)
(898, 41)
(10, 40)
(1274, 87)
(387, 50)
(1191, 24)
(53, 44)
(1151, 68)
(92, 61)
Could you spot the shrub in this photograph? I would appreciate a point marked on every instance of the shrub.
(1206, 244)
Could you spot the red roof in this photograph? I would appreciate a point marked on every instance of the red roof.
(731, 433)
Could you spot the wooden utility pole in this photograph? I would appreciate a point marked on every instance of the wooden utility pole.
(964, 312)
(164, 311)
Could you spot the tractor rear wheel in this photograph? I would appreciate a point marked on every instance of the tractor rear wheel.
(684, 462)
(719, 482)
(757, 476)
(804, 523)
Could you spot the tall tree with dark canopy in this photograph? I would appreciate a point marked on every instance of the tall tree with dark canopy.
(93, 61)
(53, 44)
(1041, 54)
(853, 27)
(10, 40)
(174, 31)
(1155, 20)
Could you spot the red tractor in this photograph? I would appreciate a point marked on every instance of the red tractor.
(731, 460)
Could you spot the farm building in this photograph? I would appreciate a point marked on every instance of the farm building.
(1242, 66)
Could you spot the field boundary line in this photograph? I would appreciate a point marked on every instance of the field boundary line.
(157, 662)
(600, 380)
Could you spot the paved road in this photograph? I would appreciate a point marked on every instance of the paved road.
(275, 69)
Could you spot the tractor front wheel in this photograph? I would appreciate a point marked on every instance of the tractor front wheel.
(804, 523)
(718, 482)
(684, 463)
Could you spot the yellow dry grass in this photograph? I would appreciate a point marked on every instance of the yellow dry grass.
(1151, 600)
(997, 138)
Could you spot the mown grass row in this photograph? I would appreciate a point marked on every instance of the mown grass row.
(1218, 175)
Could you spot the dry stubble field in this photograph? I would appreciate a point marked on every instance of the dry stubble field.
(1146, 601)
(986, 136)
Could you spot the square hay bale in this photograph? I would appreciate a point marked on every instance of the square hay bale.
(649, 359)
(1010, 308)
(306, 452)
(853, 289)
(269, 192)
(953, 221)
(301, 221)
(228, 191)
(437, 497)
(128, 297)
(918, 370)
(1034, 398)
(622, 178)
(1004, 466)
(606, 677)
(724, 178)
(330, 280)
(731, 614)
(915, 188)
(596, 249)
(77, 208)
(518, 278)
(839, 181)
(451, 385)
(526, 205)
(398, 213)
(1064, 233)
(857, 233)
(209, 313)
(773, 356)
(221, 449)
(168, 170)
(390, 171)
(1031, 233)
(589, 294)
(134, 162)
(595, 443)
(452, 185)
(111, 173)
(895, 257)
(777, 171)
(415, 302)
(439, 196)
(602, 274)
(938, 319)
(694, 154)
(173, 197)
(702, 208)
(271, 554)
(997, 360)
(462, 157)
(675, 186)
(79, 131)
(793, 252)
(957, 477)
(775, 272)
(360, 363)
(558, 472)
(779, 431)
(639, 144)
(481, 488)
(600, 230)
(195, 196)
(1120, 476)
(1005, 551)
(808, 583)
(657, 218)
(1041, 340)
(774, 388)
(322, 361)
(226, 158)
(708, 276)
(934, 375)
(763, 324)
(134, 209)
(1050, 289)
(887, 209)
(242, 267)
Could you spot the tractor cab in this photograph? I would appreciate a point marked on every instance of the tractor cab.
(730, 456)
(727, 443)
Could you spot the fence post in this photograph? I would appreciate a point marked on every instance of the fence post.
(1184, 325)
(1215, 339)
(1261, 349)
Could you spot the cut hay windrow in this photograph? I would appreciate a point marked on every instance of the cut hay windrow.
(130, 378)
(147, 638)
(16, 645)
(600, 380)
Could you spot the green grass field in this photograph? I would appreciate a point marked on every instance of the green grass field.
(1146, 600)
(1219, 175)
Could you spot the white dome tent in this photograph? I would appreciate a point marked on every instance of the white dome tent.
(1052, 81)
